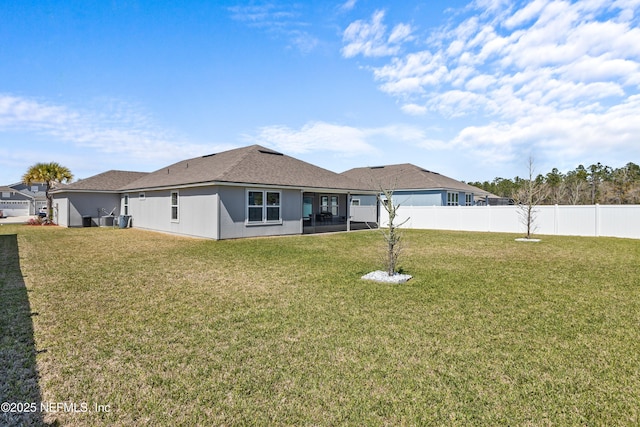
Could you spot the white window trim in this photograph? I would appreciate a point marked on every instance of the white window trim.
(468, 199)
(125, 205)
(456, 198)
(264, 207)
(177, 205)
(142, 196)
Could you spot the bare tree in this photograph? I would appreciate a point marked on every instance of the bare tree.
(531, 193)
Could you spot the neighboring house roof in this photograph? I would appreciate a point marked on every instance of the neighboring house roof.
(6, 189)
(255, 165)
(39, 195)
(407, 176)
(13, 192)
(110, 181)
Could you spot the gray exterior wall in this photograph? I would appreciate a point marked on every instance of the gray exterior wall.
(197, 211)
(233, 204)
(212, 212)
(72, 207)
(420, 198)
(426, 197)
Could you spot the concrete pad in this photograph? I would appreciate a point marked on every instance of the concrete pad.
(16, 219)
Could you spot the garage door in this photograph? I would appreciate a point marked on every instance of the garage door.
(14, 207)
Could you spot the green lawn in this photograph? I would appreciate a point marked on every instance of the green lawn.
(163, 330)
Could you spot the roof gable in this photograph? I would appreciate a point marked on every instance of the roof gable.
(407, 176)
(255, 165)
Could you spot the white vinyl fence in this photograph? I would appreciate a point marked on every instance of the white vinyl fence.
(581, 220)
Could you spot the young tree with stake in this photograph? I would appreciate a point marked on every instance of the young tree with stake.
(391, 233)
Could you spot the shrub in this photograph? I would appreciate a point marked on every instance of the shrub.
(35, 221)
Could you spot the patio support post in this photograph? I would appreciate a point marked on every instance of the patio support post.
(348, 211)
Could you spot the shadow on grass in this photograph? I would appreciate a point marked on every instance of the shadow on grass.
(19, 390)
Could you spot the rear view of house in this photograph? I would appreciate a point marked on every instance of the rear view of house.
(89, 202)
(246, 192)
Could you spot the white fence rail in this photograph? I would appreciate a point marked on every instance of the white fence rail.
(582, 220)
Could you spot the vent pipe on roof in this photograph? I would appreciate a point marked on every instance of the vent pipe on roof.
(275, 153)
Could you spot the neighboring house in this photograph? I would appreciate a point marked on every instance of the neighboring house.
(492, 200)
(21, 199)
(246, 192)
(93, 200)
(415, 186)
(13, 202)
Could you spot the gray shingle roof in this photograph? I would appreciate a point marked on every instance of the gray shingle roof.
(107, 181)
(407, 177)
(254, 164)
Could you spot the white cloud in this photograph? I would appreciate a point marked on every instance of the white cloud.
(303, 41)
(414, 109)
(400, 33)
(262, 15)
(369, 38)
(278, 20)
(555, 74)
(526, 14)
(314, 136)
(348, 5)
(116, 128)
(340, 139)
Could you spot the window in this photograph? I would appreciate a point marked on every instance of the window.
(34, 188)
(273, 206)
(125, 205)
(263, 206)
(329, 204)
(174, 206)
(468, 199)
(6, 194)
(452, 199)
(255, 206)
(355, 202)
(142, 196)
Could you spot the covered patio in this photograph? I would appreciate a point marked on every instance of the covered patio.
(330, 212)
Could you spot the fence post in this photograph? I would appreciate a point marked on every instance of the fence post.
(597, 215)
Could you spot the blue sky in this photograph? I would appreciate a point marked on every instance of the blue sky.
(469, 89)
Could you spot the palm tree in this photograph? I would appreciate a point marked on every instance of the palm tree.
(49, 174)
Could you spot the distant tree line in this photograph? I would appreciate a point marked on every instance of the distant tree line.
(581, 186)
